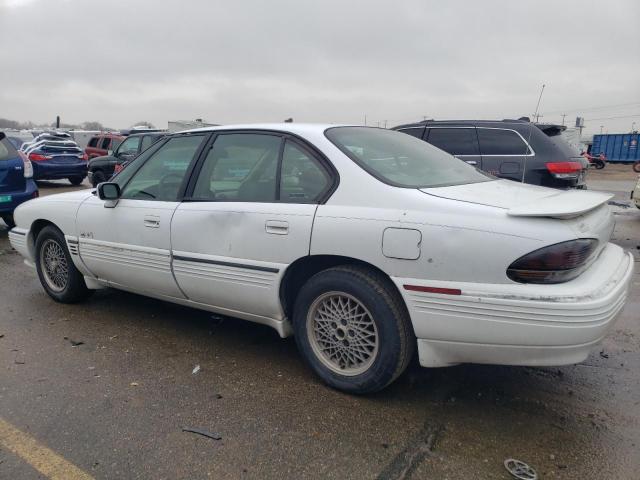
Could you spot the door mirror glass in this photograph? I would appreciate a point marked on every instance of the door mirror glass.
(108, 191)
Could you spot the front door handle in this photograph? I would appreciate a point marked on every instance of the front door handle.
(277, 227)
(152, 221)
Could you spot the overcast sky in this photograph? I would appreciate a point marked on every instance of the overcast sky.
(121, 61)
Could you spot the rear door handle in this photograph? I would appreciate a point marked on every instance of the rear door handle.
(152, 221)
(277, 227)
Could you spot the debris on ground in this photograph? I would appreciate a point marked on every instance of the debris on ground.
(196, 369)
(520, 470)
(134, 384)
(204, 433)
(218, 396)
(74, 343)
(1, 335)
(604, 355)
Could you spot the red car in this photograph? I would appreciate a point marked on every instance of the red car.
(99, 145)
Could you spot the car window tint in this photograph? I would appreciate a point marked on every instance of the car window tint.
(160, 177)
(240, 168)
(414, 132)
(93, 142)
(501, 142)
(302, 178)
(105, 143)
(402, 160)
(130, 145)
(456, 141)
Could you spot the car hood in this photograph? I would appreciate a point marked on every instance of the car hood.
(523, 200)
(102, 159)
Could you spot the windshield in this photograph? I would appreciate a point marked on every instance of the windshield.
(402, 160)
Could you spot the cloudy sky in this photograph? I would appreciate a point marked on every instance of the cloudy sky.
(122, 61)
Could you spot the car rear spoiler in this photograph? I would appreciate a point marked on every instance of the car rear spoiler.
(564, 204)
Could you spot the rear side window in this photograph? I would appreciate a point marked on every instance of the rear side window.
(6, 150)
(93, 142)
(456, 141)
(414, 132)
(302, 179)
(495, 141)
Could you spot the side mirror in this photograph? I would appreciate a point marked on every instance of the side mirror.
(110, 192)
(110, 153)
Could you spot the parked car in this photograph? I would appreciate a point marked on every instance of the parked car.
(16, 180)
(635, 193)
(363, 242)
(54, 160)
(100, 144)
(512, 149)
(102, 168)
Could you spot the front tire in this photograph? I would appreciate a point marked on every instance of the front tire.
(8, 219)
(58, 275)
(75, 180)
(98, 177)
(353, 329)
(599, 165)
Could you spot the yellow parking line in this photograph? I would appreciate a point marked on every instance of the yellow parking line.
(47, 462)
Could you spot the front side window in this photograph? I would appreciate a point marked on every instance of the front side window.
(160, 177)
(402, 160)
(105, 143)
(302, 178)
(456, 141)
(148, 140)
(495, 141)
(240, 167)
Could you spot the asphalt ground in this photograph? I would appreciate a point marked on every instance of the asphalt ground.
(103, 390)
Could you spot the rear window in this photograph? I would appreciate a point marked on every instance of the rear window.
(402, 160)
(7, 151)
(559, 140)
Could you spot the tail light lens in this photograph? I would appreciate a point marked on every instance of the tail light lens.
(38, 157)
(553, 264)
(28, 168)
(85, 157)
(564, 169)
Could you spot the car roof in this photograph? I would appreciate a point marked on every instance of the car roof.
(295, 128)
(427, 123)
(150, 134)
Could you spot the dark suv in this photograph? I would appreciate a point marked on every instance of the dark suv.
(102, 168)
(513, 149)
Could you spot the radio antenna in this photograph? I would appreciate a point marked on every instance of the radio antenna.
(527, 151)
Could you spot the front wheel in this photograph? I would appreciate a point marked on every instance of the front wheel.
(98, 177)
(58, 275)
(353, 329)
(600, 165)
(76, 180)
(636, 167)
(8, 219)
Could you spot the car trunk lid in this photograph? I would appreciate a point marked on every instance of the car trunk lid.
(524, 200)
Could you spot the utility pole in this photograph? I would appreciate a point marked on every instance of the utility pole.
(385, 124)
(601, 127)
(365, 119)
(538, 115)
(563, 115)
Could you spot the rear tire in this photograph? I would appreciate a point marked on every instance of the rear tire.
(58, 275)
(76, 180)
(599, 165)
(8, 219)
(636, 167)
(98, 177)
(353, 329)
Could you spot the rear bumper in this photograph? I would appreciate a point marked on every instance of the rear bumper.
(53, 171)
(515, 324)
(19, 197)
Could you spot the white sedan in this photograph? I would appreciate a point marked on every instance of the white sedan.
(364, 243)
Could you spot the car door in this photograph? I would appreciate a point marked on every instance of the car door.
(460, 141)
(504, 152)
(248, 214)
(129, 245)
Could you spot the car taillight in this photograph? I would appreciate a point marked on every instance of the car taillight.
(564, 169)
(28, 168)
(37, 157)
(85, 157)
(556, 263)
